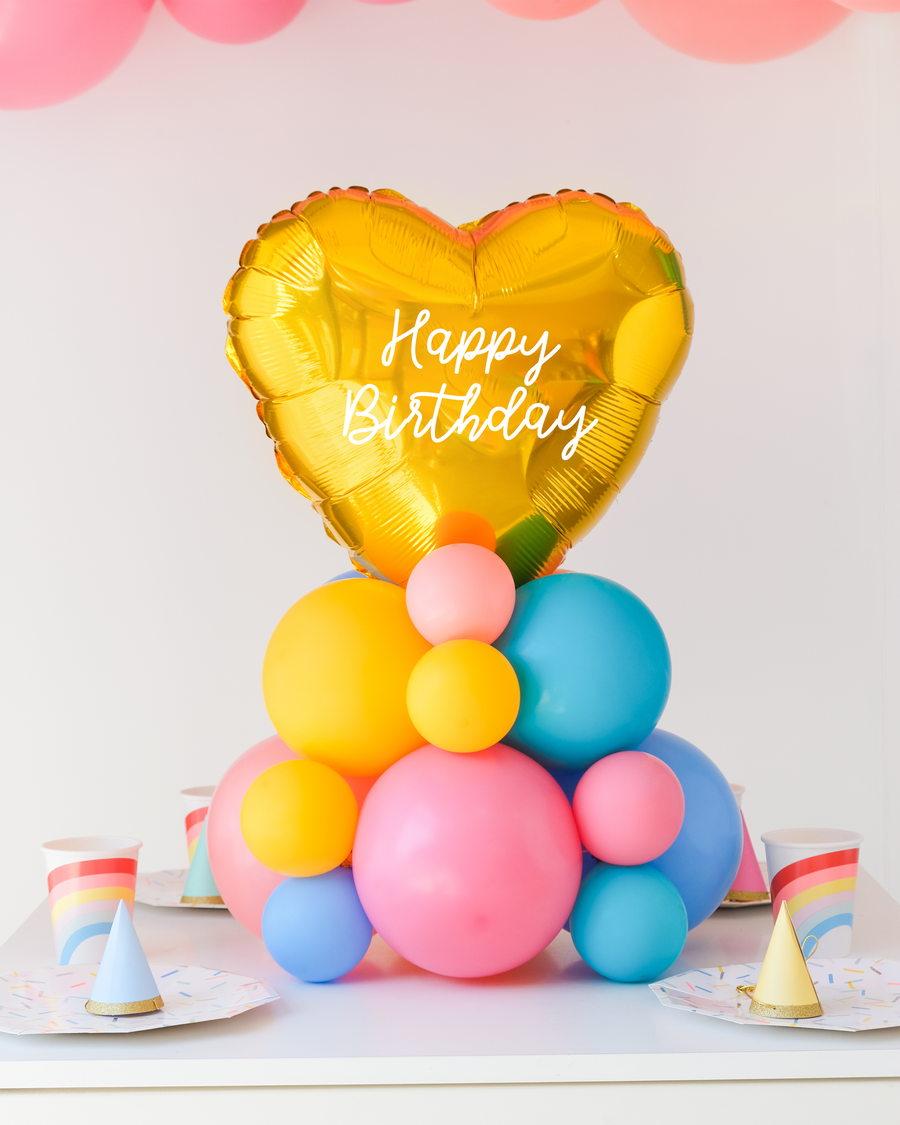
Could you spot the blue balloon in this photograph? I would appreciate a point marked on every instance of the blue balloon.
(567, 780)
(316, 928)
(704, 859)
(344, 575)
(593, 668)
(628, 923)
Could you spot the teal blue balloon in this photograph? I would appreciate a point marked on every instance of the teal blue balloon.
(628, 923)
(593, 668)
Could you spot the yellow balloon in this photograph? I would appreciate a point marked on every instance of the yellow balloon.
(335, 674)
(509, 372)
(463, 696)
(299, 817)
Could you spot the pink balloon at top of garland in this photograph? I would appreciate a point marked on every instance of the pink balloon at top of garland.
(542, 9)
(461, 592)
(737, 31)
(53, 50)
(234, 21)
(628, 807)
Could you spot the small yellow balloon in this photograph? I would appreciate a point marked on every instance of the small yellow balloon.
(463, 696)
(335, 675)
(298, 818)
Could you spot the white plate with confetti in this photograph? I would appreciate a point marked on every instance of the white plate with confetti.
(856, 993)
(165, 888)
(51, 1001)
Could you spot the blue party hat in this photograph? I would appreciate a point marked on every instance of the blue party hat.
(124, 984)
(201, 886)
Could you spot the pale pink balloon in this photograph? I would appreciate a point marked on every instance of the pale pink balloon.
(467, 864)
(542, 9)
(243, 882)
(461, 592)
(870, 5)
(737, 31)
(234, 21)
(384, 1)
(53, 50)
(628, 807)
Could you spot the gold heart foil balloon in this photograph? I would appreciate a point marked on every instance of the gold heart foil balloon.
(425, 383)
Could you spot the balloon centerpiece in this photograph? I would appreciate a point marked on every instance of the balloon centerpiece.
(466, 766)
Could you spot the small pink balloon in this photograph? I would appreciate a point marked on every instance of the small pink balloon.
(461, 592)
(384, 1)
(467, 864)
(737, 31)
(542, 9)
(53, 50)
(234, 21)
(628, 807)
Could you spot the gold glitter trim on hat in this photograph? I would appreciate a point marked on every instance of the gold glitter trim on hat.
(786, 1011)
(747, 896)
(203, 900)
(134, 1008)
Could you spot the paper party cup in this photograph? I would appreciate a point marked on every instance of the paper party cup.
(87, 877)
(814, 870)
(196, 806)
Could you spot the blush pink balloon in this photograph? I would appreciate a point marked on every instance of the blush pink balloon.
(53, 50)
(461, 592)
(384, 1)
(628, 807)
(737, 31)
(243, 882)
(234, 21)
(467, 864)
(542, 9)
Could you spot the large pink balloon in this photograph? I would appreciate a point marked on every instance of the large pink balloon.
(542, 9)
(461, 592)
(234, 21)
(52, 50)
(737, 31)
(628, 808)
(243, 882)
(467, 864)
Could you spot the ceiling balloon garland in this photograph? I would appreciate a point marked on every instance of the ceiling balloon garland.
(54, 50)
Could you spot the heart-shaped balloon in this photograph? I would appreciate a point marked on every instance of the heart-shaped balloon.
(425, 384)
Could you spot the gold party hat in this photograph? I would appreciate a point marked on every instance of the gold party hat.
(785, 990)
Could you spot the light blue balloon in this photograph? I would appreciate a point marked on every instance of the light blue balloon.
(703, 860)
(343, 576)
(628, 923)
(316, 928)
(593, 668)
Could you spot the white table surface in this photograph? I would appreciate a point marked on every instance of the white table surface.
(387, 1022)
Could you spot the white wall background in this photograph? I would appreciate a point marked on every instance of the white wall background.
(150, 544)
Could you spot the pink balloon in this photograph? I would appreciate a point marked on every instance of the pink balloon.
(53, 50)
(542, 9)
(467, 864)
(384, 1)
(737, 31)
(234, 21)
(628, 807)
(461, 592)
(870, 5)
(243, 882)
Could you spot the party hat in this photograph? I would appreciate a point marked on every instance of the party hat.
(201, 886)
(749, 884)
(124, 984)
(785, 990)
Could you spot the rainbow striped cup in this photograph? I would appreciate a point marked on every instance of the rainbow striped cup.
(814, 870)
(196, 806)
(87, 876)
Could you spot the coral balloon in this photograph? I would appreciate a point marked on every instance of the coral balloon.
(243, 882)
(53, 50)
(461, 592)
(399, 387)
(542, 9)
(298, 818)
(467, 864)
(737, 31)
(628, 807)
(463, 696)
(234, 21)
(335, 676)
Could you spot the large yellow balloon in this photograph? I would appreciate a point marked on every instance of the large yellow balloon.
(299, 818)
(511, 370)
(463, 696)
(335, 674)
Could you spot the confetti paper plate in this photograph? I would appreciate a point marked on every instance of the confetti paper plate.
(856, 994)
(165, 888)
(51, 1001)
